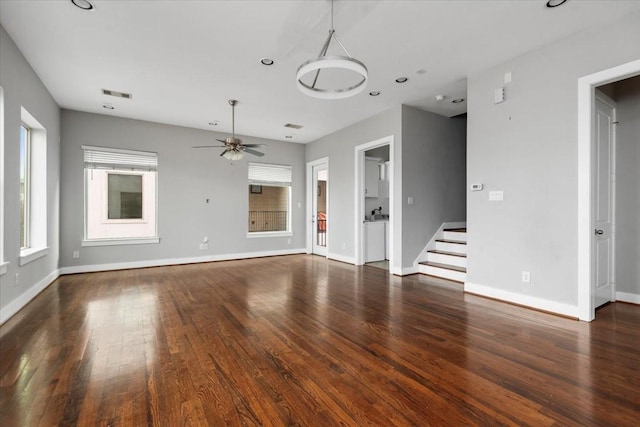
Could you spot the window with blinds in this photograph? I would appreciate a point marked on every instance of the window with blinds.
(269, 199)
(120, 196)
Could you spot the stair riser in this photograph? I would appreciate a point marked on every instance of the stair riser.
(458, 276)
(455, 235)
(451, 247)
(447, 259)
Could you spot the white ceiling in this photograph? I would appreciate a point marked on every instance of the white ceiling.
(182, 60)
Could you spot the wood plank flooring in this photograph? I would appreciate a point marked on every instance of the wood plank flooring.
(299, 340)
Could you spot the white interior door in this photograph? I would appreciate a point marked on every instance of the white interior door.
(604, 197)
(320, 211)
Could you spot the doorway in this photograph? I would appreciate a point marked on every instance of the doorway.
(588, 231)
(388, 234)
(318, 207)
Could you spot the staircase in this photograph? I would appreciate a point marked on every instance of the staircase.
(449, 258)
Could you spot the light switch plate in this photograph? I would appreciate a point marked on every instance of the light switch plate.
(499, 95)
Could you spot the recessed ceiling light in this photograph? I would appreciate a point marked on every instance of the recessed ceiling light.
(82, 4)
(401, 79)
(458, 100)
(293, 126)
(439, 98)
(289, 136)
(267, 61)
(374, 93)
(555, 3)
(107, 106)
(421, 71)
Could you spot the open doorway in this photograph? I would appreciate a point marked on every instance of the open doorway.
(376, 216)
(608, 198)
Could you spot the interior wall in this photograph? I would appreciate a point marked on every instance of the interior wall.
(627, 97)
(186, 179)
(23, 88)
(433, 174)
(527, 147)
(339, 147)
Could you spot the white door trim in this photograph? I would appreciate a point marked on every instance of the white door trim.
(586, 102)
(309, 229)
(395, 212)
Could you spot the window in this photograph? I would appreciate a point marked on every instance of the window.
(25, 184)
(33, 188)
(269, 200)
(120, 196)
(3, 264)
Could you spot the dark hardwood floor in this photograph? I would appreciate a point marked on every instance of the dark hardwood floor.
(299, 340)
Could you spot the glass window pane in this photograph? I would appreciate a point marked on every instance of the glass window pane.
(24, 185)
(268, 208)
(125, 196)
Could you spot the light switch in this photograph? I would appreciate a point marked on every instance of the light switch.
(499, 95)
(496, 196)
(507, 77)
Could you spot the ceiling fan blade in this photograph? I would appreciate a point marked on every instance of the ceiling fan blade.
(254, 152)
(224, 152)
(209, 146)
(255, 145)
(222, 140)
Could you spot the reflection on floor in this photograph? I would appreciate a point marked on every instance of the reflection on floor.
(379, 264)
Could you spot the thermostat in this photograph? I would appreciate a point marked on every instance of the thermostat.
(476, 187)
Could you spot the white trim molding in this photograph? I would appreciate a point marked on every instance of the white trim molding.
(342, 258)
(175, 261)
(586, 97)
(628, 297)
(521, 299)
(31, 254)
(3, 266)
(17, 304)
(118, 242)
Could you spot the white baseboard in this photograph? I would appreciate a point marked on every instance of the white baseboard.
(176, 261)
(408, 270)
(628, 297)
(342, 258)
(17, 304)
(526, 300)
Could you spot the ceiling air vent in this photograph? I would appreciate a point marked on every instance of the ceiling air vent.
(292, 126)
(116, 94)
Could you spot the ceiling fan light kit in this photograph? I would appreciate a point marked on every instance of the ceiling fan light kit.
(234, 149)
(324, 62)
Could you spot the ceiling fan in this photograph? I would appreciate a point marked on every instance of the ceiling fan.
(234, 149)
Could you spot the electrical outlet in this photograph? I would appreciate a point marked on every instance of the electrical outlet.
(201, 247)
(76, 254)
(526, 277)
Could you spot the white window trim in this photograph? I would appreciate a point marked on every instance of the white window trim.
(263, 234)
(31, 254)
(3, 264)
(27, 187)
(121, 241)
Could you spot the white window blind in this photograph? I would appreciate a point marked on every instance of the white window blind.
(114, 158)
(274, 175)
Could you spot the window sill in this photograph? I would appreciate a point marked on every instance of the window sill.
(262, 234)
(32, 254)
(3, 267)
(118, 242)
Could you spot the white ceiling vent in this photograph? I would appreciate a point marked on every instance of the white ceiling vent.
(292, 126)
(116, 94)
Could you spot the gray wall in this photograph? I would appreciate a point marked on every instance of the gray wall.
(627, 96)
(339, 148)
(434, 174)
(22, 87)
(431, 167)
(527, 147)
(186, 177)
